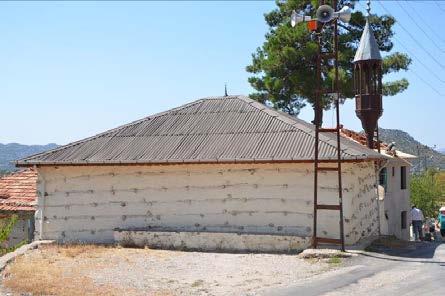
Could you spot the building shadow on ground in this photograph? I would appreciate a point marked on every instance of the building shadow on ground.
(403, 250)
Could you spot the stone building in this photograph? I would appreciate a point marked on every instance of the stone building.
(221, 173)
(393, 188)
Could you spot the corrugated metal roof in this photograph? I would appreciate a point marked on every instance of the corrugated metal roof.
(368, 48)
(18, 191)
(215, 129)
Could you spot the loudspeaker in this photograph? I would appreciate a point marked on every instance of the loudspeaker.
(344, 14)
(325, 13)
(298, 18)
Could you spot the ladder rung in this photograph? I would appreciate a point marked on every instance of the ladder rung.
(327, 168)
(328, 240)
(323, 91)
(328, 207)
(328, 130)
(328, 55)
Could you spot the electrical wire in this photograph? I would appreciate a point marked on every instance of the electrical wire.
(418, 26)
(418, 59)
(419, 16)
(440, 7)
(413, 38)
(420, 77)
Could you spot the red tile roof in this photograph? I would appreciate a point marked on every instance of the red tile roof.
(361, 138)
(18, 191)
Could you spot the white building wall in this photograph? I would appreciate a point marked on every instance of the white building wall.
(394, 201)
(86, 203)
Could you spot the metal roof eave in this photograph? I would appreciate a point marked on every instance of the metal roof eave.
(171, 162)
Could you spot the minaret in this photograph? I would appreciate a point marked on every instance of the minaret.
(368, 82)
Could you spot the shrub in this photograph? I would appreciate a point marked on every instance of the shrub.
(5, 231)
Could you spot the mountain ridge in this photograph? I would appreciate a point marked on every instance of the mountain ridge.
(427, 157)
(13, 151)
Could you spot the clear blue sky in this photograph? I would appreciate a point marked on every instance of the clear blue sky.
(73, 69)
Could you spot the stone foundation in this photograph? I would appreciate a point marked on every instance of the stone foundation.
(212, 241)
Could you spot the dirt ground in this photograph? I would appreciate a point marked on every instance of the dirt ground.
(96, 270)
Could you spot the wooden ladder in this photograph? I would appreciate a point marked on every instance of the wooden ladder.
(318, 166)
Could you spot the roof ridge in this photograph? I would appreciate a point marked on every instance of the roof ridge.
(229, 97)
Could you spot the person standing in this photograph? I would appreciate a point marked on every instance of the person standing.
(417, 221)
(441, 221)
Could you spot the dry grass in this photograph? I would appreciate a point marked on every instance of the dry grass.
(73, 251)
(99, 270)
(45, 272)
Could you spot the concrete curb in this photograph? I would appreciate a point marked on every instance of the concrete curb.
(7, 258)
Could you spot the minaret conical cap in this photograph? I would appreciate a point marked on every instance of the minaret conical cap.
(368, 48)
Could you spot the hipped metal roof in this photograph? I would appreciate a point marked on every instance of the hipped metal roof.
(368, 48)
(215, 129)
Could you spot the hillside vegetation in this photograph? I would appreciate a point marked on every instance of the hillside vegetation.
(427, 157)
(14, 151)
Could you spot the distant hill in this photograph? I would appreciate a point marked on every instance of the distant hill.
(441, 150)
(404, 142)
(14, 151)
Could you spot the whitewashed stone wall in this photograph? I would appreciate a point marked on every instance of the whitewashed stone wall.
(394, 200)
(86, 203)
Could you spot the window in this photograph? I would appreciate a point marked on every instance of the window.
(393, 171)
(403, 222)
(403, 177)
(383, 177)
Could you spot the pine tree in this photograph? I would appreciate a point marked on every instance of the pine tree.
(284, 66)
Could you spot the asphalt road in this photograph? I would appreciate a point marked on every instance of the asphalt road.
(414, 272)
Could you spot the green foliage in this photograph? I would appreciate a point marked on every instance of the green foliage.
(441, 180)
(284, 66)
(6, 228)
(426, 192)
(335, 260)
(394, 87)
(5, 231)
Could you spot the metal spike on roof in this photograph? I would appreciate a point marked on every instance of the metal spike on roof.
(368, 8)
(368, 48)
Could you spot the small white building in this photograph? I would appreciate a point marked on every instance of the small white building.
(222, 173)
(394, 198)
(393, 188)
